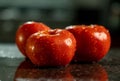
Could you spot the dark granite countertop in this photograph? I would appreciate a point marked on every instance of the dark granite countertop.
(14, 67)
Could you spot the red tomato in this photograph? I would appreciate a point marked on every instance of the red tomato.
(25, 30)
(51, 48)
(93, 42)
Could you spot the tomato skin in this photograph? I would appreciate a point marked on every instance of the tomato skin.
(93, 42)
(24, 31)
(51, 48)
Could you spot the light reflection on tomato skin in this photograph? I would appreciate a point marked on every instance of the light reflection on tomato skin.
(25, 30)
(93, 42)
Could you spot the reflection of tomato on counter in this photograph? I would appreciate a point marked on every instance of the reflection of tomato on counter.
(28, 71)
(73, 72)
(89, 72)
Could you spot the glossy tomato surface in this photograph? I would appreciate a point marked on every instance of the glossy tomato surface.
(93, 42)
(51, 48)
(25, 30)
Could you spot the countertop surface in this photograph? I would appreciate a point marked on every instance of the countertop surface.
(14, 67)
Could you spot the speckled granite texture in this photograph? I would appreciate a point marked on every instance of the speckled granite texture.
(14, 67)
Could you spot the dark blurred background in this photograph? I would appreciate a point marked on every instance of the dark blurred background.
(59, 13)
